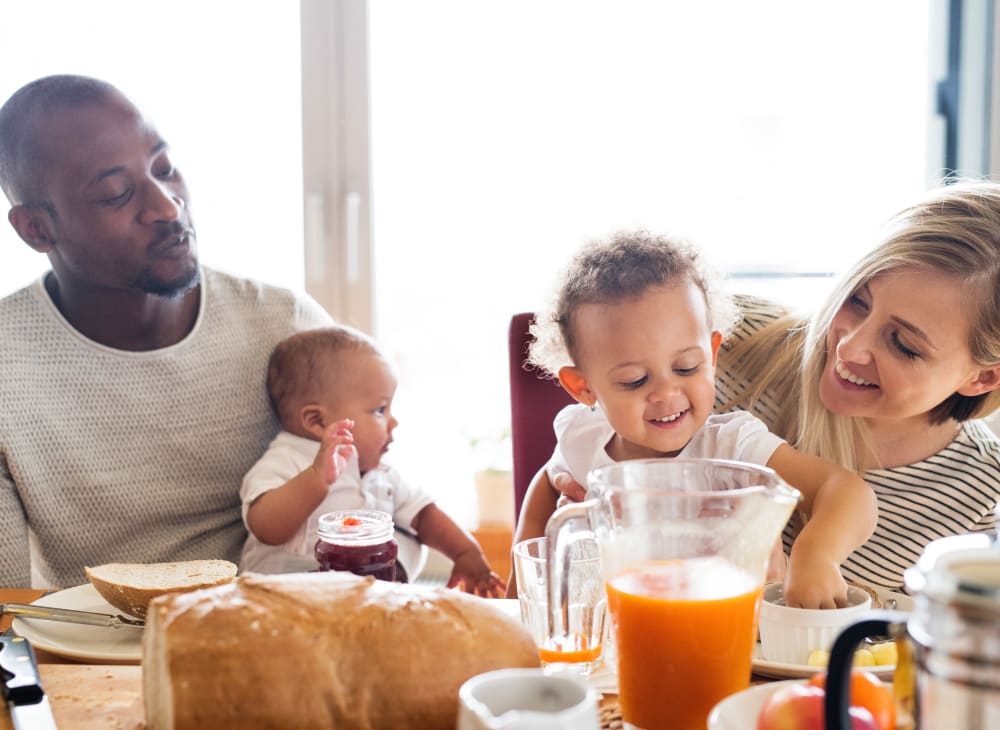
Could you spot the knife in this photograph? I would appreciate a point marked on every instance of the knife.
(22, 689)
(50, 613)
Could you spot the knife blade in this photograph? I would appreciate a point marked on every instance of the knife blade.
(22, 687)
(51, 613)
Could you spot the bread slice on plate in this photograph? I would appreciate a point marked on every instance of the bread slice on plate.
(130, 587)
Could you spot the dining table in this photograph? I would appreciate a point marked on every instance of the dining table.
(103, 696)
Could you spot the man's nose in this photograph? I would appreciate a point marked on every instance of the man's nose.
(161, 203)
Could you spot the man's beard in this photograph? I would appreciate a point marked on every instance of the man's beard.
(172, 289)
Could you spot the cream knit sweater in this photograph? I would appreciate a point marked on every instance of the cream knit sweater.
(108, 455)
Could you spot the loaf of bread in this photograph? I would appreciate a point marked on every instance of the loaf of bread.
(320, 650)
(130, 587)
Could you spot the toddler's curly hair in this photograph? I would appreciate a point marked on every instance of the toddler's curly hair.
(617, 269)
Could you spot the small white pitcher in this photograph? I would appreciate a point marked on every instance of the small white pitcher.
(526, 699)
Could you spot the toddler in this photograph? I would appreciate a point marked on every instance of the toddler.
(634, 337)
(332, 389)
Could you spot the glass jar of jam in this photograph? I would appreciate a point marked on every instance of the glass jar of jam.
(360, 541)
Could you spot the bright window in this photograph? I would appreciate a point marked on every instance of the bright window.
(777, 136)
(220, 80)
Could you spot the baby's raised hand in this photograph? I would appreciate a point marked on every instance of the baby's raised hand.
(334, 450)
(472, 574)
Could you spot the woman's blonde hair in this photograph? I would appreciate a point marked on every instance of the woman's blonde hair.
(617, 269)
(955, 230)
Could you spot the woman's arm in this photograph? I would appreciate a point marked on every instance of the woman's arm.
(840, 512)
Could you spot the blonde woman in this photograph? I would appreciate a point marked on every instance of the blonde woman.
(889, 377)
(893, 372)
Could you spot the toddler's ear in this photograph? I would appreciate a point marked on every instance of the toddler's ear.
(716, 341)
(313, 419)
(575, 384)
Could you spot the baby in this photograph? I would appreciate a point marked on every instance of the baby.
(634, 337)
(332, 389)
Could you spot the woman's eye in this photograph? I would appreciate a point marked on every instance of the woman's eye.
(166, 173)
(903, 349)
(856, 301)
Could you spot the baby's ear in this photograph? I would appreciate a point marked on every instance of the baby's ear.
(312, 418)
(575, 384)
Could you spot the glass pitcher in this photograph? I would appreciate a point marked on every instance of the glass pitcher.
(684, 545)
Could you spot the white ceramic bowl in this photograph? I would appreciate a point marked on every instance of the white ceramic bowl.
(788, 635)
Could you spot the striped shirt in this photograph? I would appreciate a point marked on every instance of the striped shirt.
(952, 492)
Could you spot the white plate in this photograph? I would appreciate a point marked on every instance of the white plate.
(76, 641)
(740, 711)
(800, 671)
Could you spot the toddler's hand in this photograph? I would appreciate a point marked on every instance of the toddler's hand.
(472, 574)
(814, 582)
(334, 450)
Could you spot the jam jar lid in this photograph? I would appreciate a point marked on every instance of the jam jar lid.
(963, 569)
(356, 527)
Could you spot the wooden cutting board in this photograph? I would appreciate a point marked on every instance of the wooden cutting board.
(91, 697)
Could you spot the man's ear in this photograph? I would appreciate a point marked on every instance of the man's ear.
(575, 384)
(312, 419)
(716, 341)
(33, 225)
(988, 379)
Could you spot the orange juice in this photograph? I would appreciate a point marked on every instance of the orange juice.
(685, 633)
(576, 649)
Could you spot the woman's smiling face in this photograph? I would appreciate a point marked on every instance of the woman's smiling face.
(899, 346)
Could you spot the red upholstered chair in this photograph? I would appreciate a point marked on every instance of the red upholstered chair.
(534, 402)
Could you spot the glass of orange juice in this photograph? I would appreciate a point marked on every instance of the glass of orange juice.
(582, 647)
(683, 545)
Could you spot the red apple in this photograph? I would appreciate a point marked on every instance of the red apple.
(800, 707)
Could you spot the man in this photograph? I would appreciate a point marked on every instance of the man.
(132, 393)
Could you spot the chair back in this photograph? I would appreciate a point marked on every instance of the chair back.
(534, 402)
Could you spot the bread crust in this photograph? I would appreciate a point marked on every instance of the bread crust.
(130, 587)
(320, 650)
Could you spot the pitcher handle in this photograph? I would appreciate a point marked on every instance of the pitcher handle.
(838, 675)
(559, 543)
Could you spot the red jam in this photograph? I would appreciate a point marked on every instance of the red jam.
(360, 541)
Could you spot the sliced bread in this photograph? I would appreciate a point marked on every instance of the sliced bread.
(130, 587)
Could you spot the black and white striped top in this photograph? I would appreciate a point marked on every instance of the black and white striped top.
(953, 492)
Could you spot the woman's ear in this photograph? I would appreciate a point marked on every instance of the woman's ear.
(312, 419)
(716, 341)
(575, 384)
(986, 380)
(33, 226)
